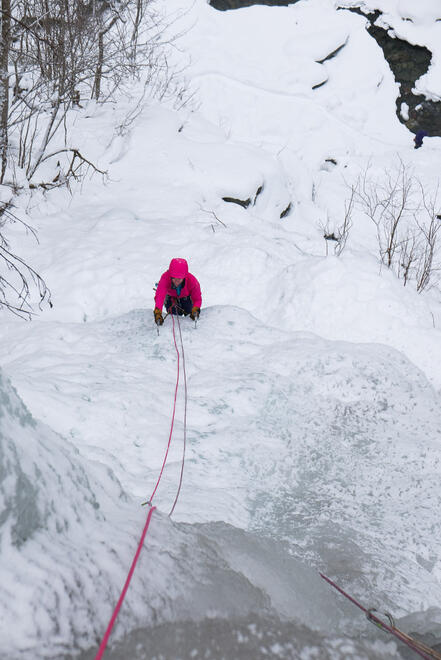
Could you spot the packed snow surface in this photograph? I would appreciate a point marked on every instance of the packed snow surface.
(314, 381)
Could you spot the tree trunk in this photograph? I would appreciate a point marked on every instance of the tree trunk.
(136, 24)
(99, 66)
(100, 62)
(4, 83)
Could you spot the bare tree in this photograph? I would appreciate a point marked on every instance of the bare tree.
(62, 51)
(139, 14)
(54, 54)
(407, 222)
(100, 59)
(340, 234)
(4, 83)
(344, 229)
(409, 256)
(18, 280)
(389, 202)
(429, 262)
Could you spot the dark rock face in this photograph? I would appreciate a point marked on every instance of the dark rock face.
(241, 202)
(223, 5)
(407, 63)
(332, 54)
(286, 211)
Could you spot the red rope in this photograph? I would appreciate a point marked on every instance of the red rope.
(105, 639)
(185, 420)
(173, 416)
(394, 631)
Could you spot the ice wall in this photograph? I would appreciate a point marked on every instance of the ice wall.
(67, 537)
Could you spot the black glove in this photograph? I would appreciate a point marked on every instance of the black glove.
(158, 316)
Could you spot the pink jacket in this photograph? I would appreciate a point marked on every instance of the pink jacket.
(191, 288)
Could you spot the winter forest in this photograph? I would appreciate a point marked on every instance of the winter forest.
(252, 471)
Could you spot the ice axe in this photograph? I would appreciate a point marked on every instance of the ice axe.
(157, 325)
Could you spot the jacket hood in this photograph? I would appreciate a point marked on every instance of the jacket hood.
(178, 268)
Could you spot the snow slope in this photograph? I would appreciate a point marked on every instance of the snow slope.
(314, 381)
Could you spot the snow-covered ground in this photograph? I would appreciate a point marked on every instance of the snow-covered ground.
(314, 381)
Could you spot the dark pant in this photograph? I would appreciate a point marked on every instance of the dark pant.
(179, 305)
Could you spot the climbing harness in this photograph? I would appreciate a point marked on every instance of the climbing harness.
(152, 508)
(419, 648)
(170, 313)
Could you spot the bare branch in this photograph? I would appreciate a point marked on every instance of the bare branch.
(406, 220)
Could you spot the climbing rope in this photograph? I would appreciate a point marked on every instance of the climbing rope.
(105, 639)
(419, 648)
(185, 414)
(111, 623)
(174, 411)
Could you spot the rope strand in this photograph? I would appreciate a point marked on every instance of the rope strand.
(105, 639)
(185, 420)
(418, 647)
(173, 415)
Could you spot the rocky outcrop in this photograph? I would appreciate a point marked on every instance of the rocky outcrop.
(286, 211)
(223, 5)
(407, 63)
(241, 202)
(333, 53)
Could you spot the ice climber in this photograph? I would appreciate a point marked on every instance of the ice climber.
(179, 290)
(419, 137)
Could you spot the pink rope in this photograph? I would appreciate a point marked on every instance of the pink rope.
(173, 416)
(394, 631)
(105, 639)
(185, 421)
